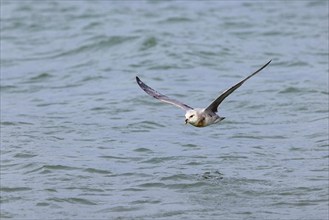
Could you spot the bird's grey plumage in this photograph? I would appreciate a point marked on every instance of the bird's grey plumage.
(160, 96)
(214, 105)
(198, 117)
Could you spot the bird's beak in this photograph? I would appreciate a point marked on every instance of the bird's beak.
(186, 120)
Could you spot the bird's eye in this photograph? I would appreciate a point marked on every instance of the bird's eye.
(191, 116)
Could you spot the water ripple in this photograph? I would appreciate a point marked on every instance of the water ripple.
(79, 139)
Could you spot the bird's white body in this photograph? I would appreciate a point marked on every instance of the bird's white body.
(200, 117)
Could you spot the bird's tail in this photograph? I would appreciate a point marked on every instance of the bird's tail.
(219, 119)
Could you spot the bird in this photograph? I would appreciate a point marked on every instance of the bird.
(198, 117)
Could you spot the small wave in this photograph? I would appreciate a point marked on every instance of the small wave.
(176, 177)
(157, 160)
(93, 170)
(149, 43)
(191, 145)
(146, 201)
(41, 77)
(4, 88)
(73, 200)
(152, 185)
(49, 168)
(119, 209)
(24, 155)
(43, 204)
(144, 126)
(246, 136)
(8, 123)
(143, 150)
(92, 78)
(185, 186)
(14, 189)
(290, 90)
(174, 20)
(58, 167)
(104, 42)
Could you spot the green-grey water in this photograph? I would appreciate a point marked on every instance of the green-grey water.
(81, 140)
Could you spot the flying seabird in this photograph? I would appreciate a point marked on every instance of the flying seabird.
(198, 117)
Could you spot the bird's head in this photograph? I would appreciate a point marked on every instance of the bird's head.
(191, 117)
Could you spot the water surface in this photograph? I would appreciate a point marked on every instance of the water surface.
(80, 140)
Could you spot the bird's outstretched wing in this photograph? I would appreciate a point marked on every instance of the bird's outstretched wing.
(214, 105)
(161, 97)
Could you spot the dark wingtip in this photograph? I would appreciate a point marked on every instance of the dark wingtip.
(138, 80)
(268, 62)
